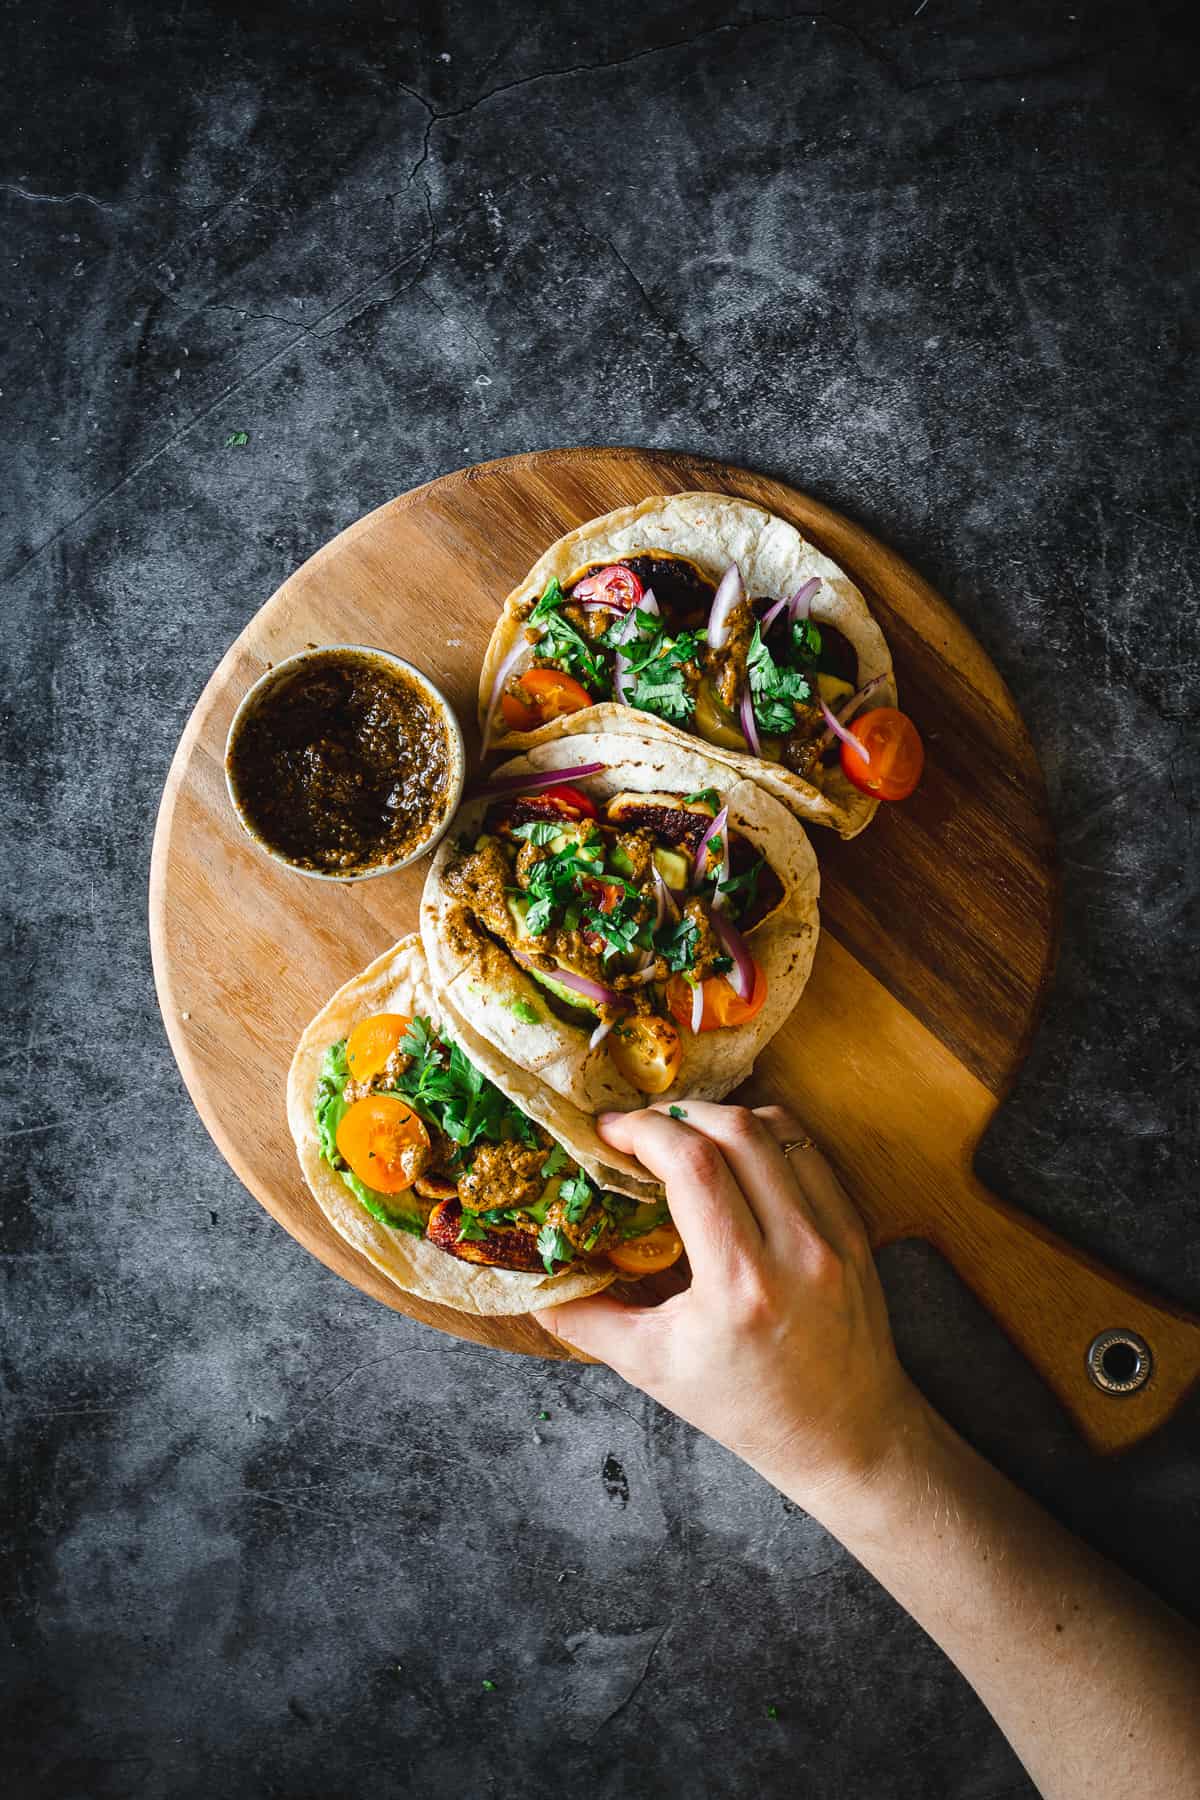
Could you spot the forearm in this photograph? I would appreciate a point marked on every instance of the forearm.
(1094, 1683)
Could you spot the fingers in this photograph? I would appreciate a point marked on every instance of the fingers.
(599, 1326)
(831, 1206)
(752, 1151)
(710, 1210)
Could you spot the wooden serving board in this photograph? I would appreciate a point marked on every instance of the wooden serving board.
(939, 922)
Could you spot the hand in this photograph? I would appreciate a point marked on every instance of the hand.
(781, 1348)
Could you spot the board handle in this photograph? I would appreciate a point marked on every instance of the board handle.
(1118, 1359)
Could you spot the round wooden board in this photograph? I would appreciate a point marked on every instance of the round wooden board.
(939, 922)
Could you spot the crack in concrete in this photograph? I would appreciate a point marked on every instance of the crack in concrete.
(24, 193)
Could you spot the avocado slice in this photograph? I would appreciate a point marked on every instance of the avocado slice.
(562, 992)
(673, 866)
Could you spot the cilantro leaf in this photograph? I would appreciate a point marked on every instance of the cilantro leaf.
(554, 1247)
(806, 640)
(537, 832)
(677, 1112)
(471, 1228)
(557, 1159)
(707, 796)
(538, 916)
(577, 1193)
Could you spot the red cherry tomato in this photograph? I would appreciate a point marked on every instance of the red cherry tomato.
(571, 797)
(895, 754)
(616, 586)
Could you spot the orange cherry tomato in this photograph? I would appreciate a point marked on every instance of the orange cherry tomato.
(570, 796)
(615, 585)
(372, 1042)
(647, 1051)
(518, 714)
(648, 1254)
(382, 1140)
(895, 751)
(542, 694)
(722, 1004)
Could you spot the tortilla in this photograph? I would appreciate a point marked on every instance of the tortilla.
(713, 530)
(399, 981)
(480, 982)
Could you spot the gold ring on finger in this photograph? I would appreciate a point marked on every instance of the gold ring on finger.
(800, 1143)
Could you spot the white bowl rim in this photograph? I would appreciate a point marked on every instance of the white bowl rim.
(312, 652)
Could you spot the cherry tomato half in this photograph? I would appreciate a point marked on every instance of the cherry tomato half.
(616, 586)
(648, 1254)
(382, 1140)
(895, 752)
(372, 1042)
(722, 1005)
(542, 694)
(647, 1051)
(571, 797)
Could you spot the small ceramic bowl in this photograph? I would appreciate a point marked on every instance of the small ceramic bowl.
(267, 684)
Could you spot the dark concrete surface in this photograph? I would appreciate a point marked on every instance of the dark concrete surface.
(934, 262)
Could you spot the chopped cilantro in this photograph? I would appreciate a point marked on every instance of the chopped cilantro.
(526, 1011)
(568, 647)
(679, 946)
(677, 1112)
(708, 796)
(554, 1246)
(471, 1228)
(445, 1088)
(774, 690)
(618, 933)
(538, 916)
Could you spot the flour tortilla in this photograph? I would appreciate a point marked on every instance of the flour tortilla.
(399, 981)
(477, 978)
(713, 530)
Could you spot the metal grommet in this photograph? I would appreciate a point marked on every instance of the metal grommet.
(1119, 1362)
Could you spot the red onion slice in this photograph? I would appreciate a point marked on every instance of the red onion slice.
(834, 724)
(769, 618)
(649, 604)
(730, 592)
(849, 707)
(539, 778)
(802, 599)
(701, 866)
(749, 727)
(601, 1032)
(579, 984)
(522, 647)
(697, 1006)
(741, 976)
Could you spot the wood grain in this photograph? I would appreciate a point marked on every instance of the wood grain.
(940, 922)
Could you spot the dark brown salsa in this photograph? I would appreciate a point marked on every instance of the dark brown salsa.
(345, 766)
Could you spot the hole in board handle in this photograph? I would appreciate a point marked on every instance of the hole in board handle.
(1119, 1362)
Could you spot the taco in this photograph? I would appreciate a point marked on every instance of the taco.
(623, 917)
(457, 1175)
(704, 616)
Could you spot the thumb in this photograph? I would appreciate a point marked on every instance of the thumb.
(599, 1326)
